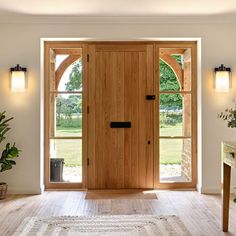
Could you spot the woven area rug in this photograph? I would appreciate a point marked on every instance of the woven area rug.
(108, 225)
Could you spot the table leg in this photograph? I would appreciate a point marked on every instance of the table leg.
(226, 196)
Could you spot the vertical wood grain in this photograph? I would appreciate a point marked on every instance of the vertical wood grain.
(91, 118)
(226, 196)
(123, 76)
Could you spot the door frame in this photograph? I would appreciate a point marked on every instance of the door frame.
(47, 44)
(194, 124)
(50, 45)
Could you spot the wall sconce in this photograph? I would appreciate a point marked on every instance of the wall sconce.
(222, 78)
(18, 78)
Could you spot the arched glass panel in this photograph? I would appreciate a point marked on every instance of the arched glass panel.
(71, 79)
(168, 78)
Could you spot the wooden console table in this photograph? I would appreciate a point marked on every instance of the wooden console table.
(229, 160)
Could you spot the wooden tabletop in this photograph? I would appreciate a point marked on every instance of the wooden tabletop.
(229, 144)
(229, 153)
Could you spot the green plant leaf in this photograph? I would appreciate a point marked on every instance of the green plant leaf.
(5, 167)
(9, 152)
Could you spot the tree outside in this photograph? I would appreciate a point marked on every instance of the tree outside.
(170, 104)
(69, 107)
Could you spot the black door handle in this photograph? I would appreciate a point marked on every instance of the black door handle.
(120, 124)
(150, 97)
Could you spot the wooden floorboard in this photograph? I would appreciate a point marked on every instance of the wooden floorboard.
(200, 213)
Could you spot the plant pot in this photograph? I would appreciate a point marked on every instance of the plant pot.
(56, 169)
(3, 190)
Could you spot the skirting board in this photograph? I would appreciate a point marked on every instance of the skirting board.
(215, 190)
(23, 191)
(42, 188)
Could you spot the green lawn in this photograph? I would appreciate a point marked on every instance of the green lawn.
(171, 149)
(172, 130)
(71, 150)
(64, 131)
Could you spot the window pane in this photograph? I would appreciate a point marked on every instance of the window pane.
(175, 115)
(66, 73)
(66, 160)
(175, 160)
(67, 115)
(175, 69)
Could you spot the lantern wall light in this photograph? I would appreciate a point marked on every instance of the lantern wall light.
(18, 76)
(222, 78)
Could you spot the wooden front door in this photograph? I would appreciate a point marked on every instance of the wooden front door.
(120, 76)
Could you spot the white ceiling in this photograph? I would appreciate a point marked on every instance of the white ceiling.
(118, 7)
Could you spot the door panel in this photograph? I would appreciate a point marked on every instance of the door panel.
(120, 77)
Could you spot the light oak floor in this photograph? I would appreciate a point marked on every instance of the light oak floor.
(200, 213)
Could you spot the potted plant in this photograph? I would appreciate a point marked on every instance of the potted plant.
(229, 115)
(9, 152)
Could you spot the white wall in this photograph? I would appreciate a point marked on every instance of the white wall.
(20, 43)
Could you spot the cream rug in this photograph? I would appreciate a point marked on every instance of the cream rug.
(104, 225)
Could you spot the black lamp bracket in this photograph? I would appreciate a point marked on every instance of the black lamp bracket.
(18, 68)
(222, 68)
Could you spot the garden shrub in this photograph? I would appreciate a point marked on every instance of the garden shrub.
(170, 119)
(70, 122)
